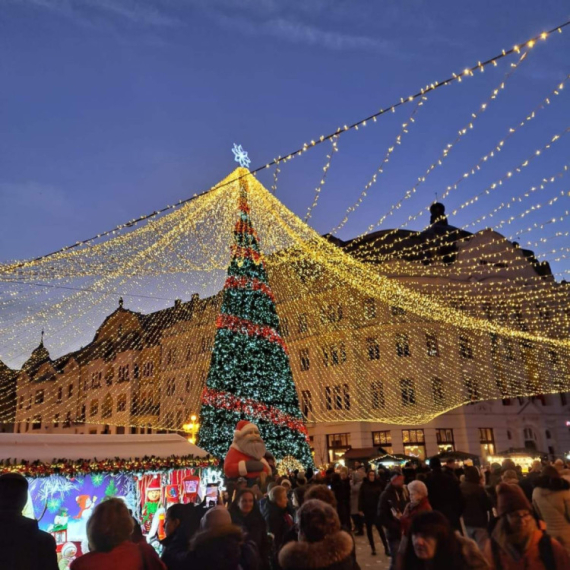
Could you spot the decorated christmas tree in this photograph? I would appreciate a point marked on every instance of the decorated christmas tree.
(250, 377)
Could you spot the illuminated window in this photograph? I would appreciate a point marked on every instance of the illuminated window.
(337, 444)
(465, 346)
(107, 407)
(37, 422)
(487, 441)
(373, 349)
(431, 345)
(122, 403)
(302, 323)
(94, 408)
(445, 440)
(383, 439)
(414, 442)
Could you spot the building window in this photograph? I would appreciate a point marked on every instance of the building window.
(37, 422)
(529, 439)
(284, 325)
(341, 395)
(445, 441)
(509, 435)
(122, 403)
(56, 420)
(302, 323)
(107, 407)
(29, 405)
(96, 379)
(465, 346)
(373, 349)
(305, 360)
(148, 368)
(431, 345)
(80, 419)
(563, 400)
(21, 406)
(39, 397)
(437, 391)
(414, 442)
(383, 439)
(548, 434)
(70, 391)
(124, 374)
(471, 387)
(306, 402)
(397, 311)
(370, 308)
(331, 314)
(328, 397)
(94, 408)
(109, 376)
(206, 345)
(508, 350)
(378, 400)
(170, 386)
(188, 384)
(487, 441)
(494, 343)
(408, 392)
(334, 354)
(337, 444)
(60, 395)
(402, 344)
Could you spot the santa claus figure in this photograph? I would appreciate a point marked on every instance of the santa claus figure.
(245, 457)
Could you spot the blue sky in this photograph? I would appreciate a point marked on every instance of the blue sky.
(110, 109)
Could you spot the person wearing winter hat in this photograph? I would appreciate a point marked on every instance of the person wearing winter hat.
(391, 506)
(516, 543)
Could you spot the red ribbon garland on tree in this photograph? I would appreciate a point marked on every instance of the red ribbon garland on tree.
(252, 408)
(235, 324)
(247, 283)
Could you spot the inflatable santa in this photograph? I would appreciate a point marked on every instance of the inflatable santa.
(245, 457)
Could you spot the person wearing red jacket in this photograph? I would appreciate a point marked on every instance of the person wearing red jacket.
(245, 458)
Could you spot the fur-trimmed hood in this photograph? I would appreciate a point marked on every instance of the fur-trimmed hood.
(334, 552)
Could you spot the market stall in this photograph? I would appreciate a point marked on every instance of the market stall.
(69, 475)
(521, 456)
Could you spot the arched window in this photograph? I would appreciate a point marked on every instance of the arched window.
(509, 434)
(548, 434)
(529, 438)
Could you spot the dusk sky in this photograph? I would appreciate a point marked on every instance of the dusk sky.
(110, 109)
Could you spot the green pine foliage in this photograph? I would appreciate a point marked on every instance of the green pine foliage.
(251, 367)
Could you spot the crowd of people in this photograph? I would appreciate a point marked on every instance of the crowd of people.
(441, 517)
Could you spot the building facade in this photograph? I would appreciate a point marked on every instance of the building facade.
(355, 360)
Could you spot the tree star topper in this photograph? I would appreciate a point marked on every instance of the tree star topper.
(240, 156)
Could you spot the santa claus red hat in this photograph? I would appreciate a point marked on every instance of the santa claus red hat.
(154, 485)
(242, 426)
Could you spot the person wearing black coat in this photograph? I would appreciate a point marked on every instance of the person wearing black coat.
(391, 506)
(246, 514)
(444, 493)
(340, 486)
(23, 546)
(478, 509)
(278, 519)
(177, 525)
(368, 498)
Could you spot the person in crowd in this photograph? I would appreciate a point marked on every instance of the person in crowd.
(108, 532)
(478, 508)
(391, 506)
(529, 482)
(322, 545)
(450, 468)
(264, 501)
(510, 477)
(221, 545)
(368, 498)
(562, 469)
(444, 493)
(322, 493)
(298, 497)
(434, 545)
(494, 475)
(22, 544)
(551, 501)
(246, 514)
(340, 486)
(516, 543)
(419, 503)
(357, 518)
(279, 520)
(175, 545)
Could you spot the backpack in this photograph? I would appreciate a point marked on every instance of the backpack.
(545, 550)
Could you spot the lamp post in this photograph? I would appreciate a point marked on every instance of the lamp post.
(192, 429)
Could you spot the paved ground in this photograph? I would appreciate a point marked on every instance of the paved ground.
(365, 559)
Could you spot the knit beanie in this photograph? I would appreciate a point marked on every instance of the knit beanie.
(510, 498)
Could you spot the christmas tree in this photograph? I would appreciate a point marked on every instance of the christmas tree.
(250, 376)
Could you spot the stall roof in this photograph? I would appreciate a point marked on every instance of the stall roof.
(46, 447)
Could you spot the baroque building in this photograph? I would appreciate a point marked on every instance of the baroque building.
(354, 359)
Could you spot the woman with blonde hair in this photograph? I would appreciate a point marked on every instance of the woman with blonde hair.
(109, 531)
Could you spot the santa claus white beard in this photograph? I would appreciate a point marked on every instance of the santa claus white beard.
(255, 448)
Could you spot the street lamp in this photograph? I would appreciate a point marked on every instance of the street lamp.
(192, 428)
